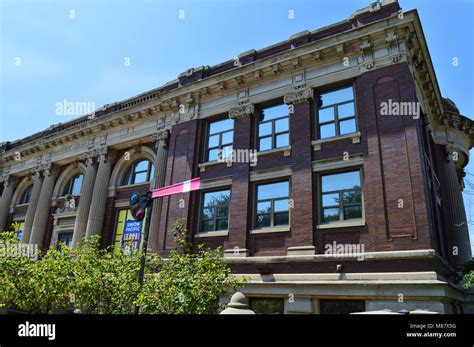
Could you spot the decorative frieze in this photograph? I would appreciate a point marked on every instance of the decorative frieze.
(366, 47)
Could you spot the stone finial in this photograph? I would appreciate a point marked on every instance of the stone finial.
(238, 305)
(241, 111)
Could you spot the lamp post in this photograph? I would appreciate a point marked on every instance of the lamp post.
(139, 205)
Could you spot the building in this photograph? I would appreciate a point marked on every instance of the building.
(346, 189)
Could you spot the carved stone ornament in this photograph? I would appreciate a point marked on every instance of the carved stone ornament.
(299, 96)
(241, 111)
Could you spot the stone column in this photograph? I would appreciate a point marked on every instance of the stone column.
(44, 205)
(85, 201)
(158, 182)
(100, 193)
(30, 213)
(9, 184)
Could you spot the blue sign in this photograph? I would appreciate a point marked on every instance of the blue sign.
(132, 234)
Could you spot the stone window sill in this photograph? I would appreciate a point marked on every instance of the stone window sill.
(286, 151)
(269, 230)
(203, 166)
(355, 137)
(212, 233)
(341, 224)
(134, 185)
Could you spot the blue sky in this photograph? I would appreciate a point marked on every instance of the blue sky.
(77, 50)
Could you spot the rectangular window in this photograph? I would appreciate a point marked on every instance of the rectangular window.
(341, 197)
(341, 306)
(274, 128)
(336, 113)
(271, 204)
(267, 305)
(123, 216)
(215, 211)
(219, 139)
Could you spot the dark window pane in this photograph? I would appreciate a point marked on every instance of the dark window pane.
(341, 181)
(282, 140)
(65, 238)
(227, 138)
(213, 141)
(345, 110)
(264, 207)
(353, 212)
(353, 197)
(222, 224)
(25, 198)
(265, 129)
(281, 205)
(347, 126)
(207, 225)
(263, 220)
(274, 112)
(326, 115)
(222, 211)
(208, 213)
(273, 190)
(213, 154)
(341, 306)
(331, 199)
(281, 125)
(280, 218)
(267, 306)
(328, 130)
(222, 125)
(330, 214)
(337, 96)
(126, 178)
(265, 143)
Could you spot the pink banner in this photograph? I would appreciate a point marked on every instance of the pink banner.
(177, 188)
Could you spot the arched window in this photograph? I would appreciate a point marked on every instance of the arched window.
(74, 185)
(25, 198)
(140, 172)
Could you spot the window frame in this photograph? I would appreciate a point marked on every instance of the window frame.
(320, 212)
(219, 145)
(273, 134)
(272, 204)
(335, 107)
(132, 173)
(215, 218)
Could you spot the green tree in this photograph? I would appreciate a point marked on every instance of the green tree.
(105, 281)
(468, 274)
(187, 282)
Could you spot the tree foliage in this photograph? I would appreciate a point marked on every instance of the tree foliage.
(105, 281)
